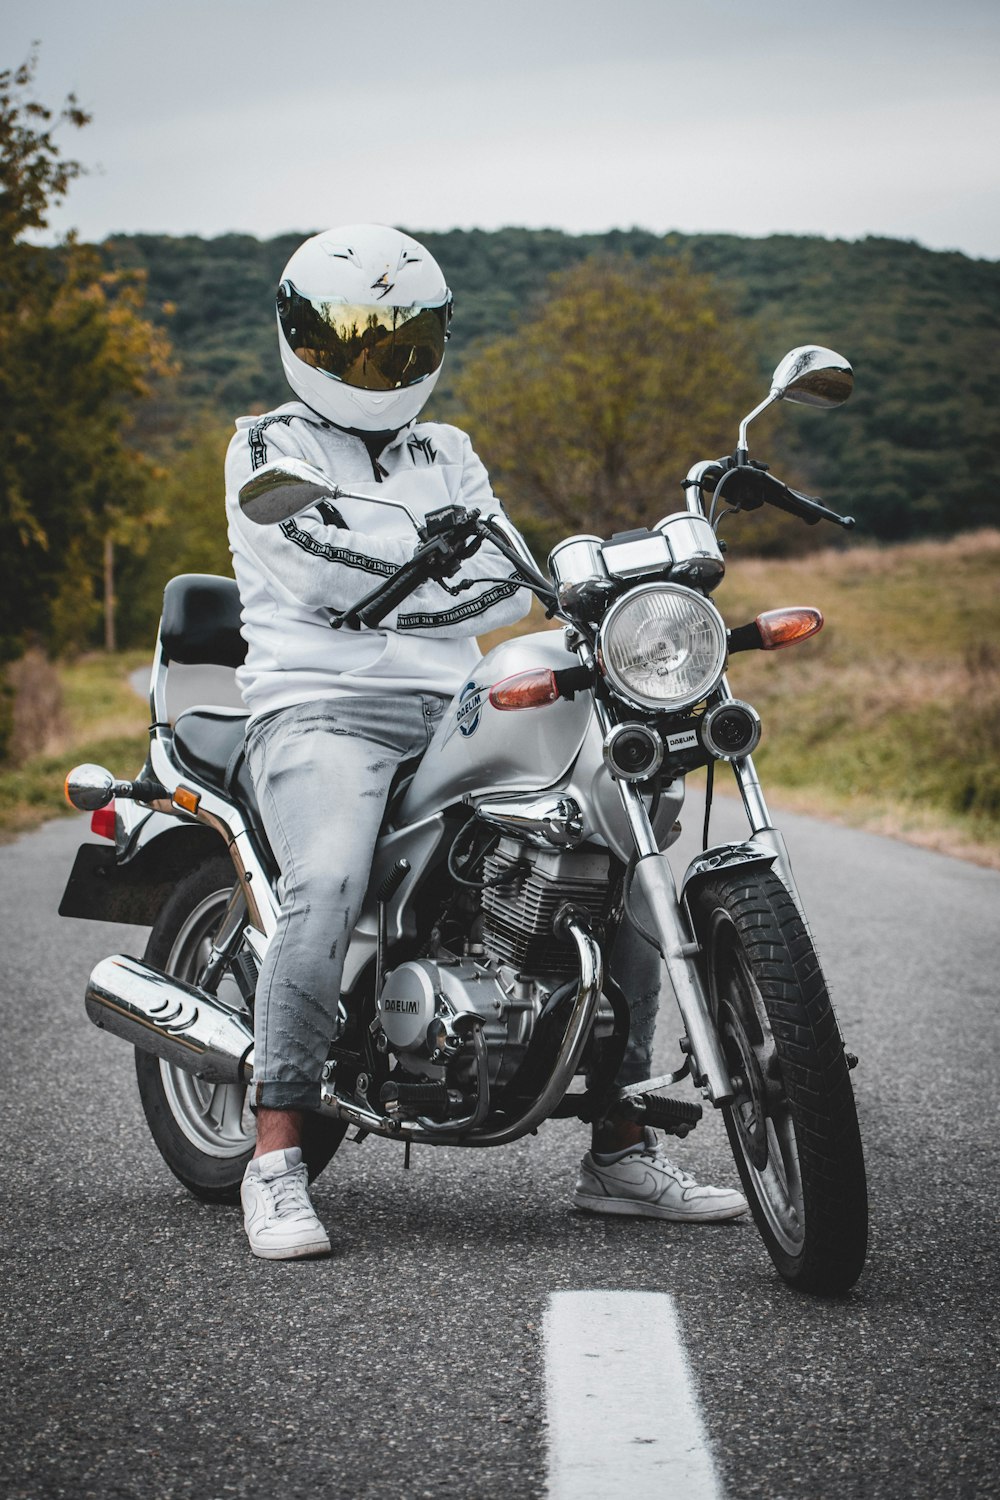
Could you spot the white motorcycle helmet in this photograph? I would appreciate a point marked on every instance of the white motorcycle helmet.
(363, 314)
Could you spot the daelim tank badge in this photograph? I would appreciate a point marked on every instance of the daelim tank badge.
(470, 709)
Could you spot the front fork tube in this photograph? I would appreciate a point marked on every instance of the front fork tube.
(678, 948)
(655, 880)
(763, 830)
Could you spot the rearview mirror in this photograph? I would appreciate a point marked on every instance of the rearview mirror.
(810, 376)
(813, 376)
(281, 489)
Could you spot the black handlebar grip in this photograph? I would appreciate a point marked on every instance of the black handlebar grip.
(375, 608)
(437, 558)
(812, 510)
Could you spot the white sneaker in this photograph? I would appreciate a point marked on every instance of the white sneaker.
(278, 1215)
(643, 1181)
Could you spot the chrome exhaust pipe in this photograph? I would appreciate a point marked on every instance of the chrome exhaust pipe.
(176, 1021)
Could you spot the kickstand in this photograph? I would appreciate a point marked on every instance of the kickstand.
(406, 1156)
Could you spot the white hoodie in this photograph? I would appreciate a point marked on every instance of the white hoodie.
(294, 575)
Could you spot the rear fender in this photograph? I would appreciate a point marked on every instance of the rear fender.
(104, 887)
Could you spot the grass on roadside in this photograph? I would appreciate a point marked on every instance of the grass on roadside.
(890, 718)
(104, 720)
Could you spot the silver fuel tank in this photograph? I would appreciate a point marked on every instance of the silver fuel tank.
(482, 751)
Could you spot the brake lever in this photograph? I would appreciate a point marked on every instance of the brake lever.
(819, 511)
(755, 486)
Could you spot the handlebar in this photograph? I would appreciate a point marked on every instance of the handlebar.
(374, 607)
(748, 486)
(806, 507)
(448, 537)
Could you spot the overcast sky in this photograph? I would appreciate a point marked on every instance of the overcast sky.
(842, 119)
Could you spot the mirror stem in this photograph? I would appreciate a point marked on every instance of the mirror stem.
(742, 451)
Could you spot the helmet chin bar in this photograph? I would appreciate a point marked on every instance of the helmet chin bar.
(376, 403)
(385, 433)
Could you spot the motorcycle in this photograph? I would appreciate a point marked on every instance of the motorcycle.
(540, 818)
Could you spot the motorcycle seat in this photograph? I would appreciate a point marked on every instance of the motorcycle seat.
(208, 745)
(208, 742)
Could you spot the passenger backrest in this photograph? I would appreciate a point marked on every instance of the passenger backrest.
(201, 621)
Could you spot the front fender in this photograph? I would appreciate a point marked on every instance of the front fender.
(710, 862)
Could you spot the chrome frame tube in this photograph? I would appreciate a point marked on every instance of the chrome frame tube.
(741, 446)
(764, 831)
(574, 1040)
(746, 776)
(158, 686)
(482, 1105)
(678, 950)
(441, 1132)
(692, 486)
(215, 812)
(226, 939)
(752, 795)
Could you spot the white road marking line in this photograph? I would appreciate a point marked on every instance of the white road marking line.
(623, 1412)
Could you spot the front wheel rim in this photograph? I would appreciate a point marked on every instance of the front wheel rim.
(761, 1121)
(214, 1117)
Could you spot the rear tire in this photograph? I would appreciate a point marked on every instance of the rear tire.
(205, 1132)
(794, 1127)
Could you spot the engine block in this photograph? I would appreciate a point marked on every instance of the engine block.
(519, 913)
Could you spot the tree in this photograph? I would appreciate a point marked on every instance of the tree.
(196, 540)
(591, 413)
(76, 355)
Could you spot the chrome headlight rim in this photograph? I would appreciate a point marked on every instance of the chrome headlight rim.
(709, 680)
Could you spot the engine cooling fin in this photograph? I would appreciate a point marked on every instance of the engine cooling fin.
(519, 912)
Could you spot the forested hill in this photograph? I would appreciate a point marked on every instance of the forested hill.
(916, 451)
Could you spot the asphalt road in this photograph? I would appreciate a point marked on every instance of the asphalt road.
(147, 1354)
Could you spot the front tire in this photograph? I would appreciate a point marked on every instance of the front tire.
(794, 1126)
(205, 1132)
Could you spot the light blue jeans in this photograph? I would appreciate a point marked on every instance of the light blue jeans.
(322, 771)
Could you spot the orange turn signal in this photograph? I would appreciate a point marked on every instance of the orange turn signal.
(531, 689)
(185, 798)
(783, 627)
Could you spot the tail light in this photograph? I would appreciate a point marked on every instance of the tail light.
(103, 821)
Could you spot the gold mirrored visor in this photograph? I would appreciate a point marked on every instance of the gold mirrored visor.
(371, 347)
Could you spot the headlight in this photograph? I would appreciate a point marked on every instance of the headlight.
(662, 646)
